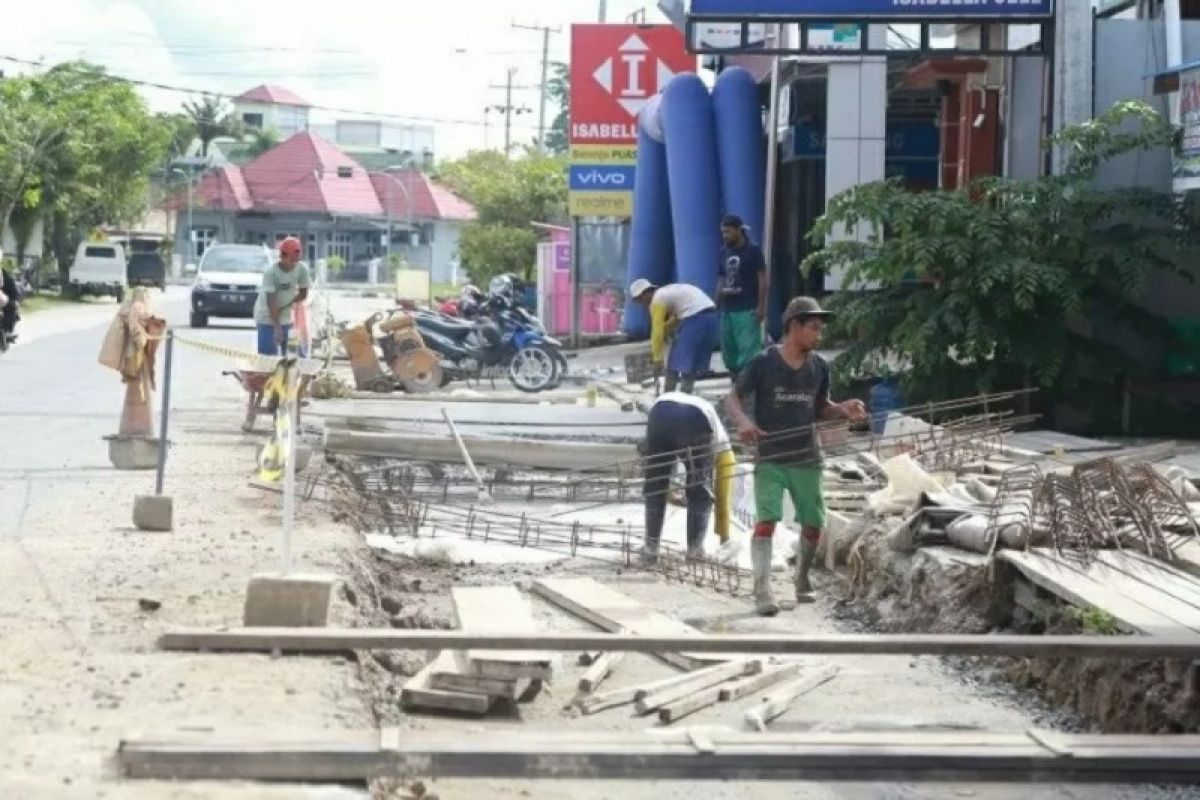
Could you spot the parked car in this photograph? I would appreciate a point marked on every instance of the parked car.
(99, 270)
(146, 269)
(227, 282)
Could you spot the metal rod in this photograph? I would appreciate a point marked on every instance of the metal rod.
(290, 407)
(166, 414)
(463, 448)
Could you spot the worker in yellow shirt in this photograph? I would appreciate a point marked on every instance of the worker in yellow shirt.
(685, 428)
(692, 316)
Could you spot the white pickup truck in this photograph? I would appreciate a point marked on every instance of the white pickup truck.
(99, 269)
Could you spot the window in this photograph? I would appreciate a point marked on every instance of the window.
(339, 245)
(100, 252)
(312, 248)
(253, 120)
(345, 172)
(202, 239)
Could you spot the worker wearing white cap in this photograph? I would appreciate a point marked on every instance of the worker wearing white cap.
(691, 315)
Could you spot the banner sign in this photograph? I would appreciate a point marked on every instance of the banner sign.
(1187, 161)
(857, 9)
(615, 70)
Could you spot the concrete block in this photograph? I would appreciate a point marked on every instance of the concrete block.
(133, 452)
(277, 600)
(153, 512)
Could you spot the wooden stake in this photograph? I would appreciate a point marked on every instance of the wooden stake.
(601, 668)
(758, 715)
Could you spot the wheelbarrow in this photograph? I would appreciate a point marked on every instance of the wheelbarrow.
(255, 382)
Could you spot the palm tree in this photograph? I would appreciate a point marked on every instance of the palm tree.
(211, 120)
(261, 141)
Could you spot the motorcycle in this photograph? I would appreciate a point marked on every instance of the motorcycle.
(12, 291)
(493, 338)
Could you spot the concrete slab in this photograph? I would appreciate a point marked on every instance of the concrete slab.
(154, 512)
(133, 452)
(274, 599)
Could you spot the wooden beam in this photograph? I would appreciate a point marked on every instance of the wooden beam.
(859, 757)
(702, 679)
(419, 692)
(1180, 645)
(600, 669)
(483, 609)
(673, 712)
(756, 683)
(779, 701)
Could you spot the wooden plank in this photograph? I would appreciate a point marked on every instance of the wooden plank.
(486, 609)
(628, 694)
(673, 712)
(419, 694)
(756, 683)
(1070, 584)
(716, 755)
(1187, 556)
(1177, 644)
(779, 701)
(701, 679)
(600, 669)
(461, 679)
(1145, 584)
(618, 613)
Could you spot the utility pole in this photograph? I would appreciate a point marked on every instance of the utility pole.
(545, 30)
(603, 12)
(507, 108)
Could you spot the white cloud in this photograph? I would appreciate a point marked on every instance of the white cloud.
(433, 60)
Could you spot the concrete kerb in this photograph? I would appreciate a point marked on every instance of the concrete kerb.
(294, 600)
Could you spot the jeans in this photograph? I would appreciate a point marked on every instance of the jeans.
(678, 432)
(266, 340)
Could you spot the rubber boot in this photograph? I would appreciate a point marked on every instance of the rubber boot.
(687, 383)
(760, 556)
(670, 381)
(808, 555)
(697, 527)
(656, 510)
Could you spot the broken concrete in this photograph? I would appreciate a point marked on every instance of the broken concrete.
(274, 600)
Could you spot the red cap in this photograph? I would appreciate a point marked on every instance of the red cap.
(289, 246)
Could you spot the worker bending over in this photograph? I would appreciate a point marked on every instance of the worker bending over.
(685, 428)
(790, 384)
(688, 313)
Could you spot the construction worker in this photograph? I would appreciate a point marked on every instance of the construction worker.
(790, 384)
(284, 284)
(688, 313)
(684, 428)
(742, 296)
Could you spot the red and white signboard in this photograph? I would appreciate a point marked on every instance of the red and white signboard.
(615, 70)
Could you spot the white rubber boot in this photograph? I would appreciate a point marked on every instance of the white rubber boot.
(760, 555)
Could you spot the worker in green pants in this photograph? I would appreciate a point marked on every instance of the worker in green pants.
(741, 295)
(790, 385)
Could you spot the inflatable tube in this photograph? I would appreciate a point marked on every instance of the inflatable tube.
(651, 247)
(742, 154)
(691, 141)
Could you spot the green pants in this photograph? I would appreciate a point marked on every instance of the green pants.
(741, 339)
(803, 484)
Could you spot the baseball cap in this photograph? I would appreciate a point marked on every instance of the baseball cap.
(801, 307)
(640, 287)
(732, 221)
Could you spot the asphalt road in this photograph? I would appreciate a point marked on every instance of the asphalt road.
(57, 403)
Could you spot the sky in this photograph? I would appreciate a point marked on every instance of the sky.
(432, 62)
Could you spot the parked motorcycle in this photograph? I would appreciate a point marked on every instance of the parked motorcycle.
(10, 308)
(493, 337)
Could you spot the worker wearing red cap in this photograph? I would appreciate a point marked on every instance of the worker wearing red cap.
(284, 285)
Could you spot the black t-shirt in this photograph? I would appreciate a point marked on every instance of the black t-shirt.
(740, 269)
(785, 405)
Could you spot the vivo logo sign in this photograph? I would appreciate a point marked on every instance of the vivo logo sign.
(602, 177)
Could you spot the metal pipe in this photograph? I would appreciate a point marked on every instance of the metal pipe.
(166, 413)
(768, 234)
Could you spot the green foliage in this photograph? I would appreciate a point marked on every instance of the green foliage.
(181, 131)
(509, 195)
(559, 90)
(78, 148)
(262, 141)
(1097, 621)
(210, 118)
(1003, 280)
(335, 264)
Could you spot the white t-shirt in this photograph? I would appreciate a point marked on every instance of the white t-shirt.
(682, 300)
(720, 435)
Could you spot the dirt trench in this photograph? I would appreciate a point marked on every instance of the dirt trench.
(920, 592)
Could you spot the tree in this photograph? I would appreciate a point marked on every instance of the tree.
(509, 195)
(999, 283)
(82, 153)
(181, 130)
(261, 141)
(559, 90)
(211, 119)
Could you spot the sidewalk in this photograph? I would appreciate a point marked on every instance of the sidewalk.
(78, 588)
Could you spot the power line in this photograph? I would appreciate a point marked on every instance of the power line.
(226, 96)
